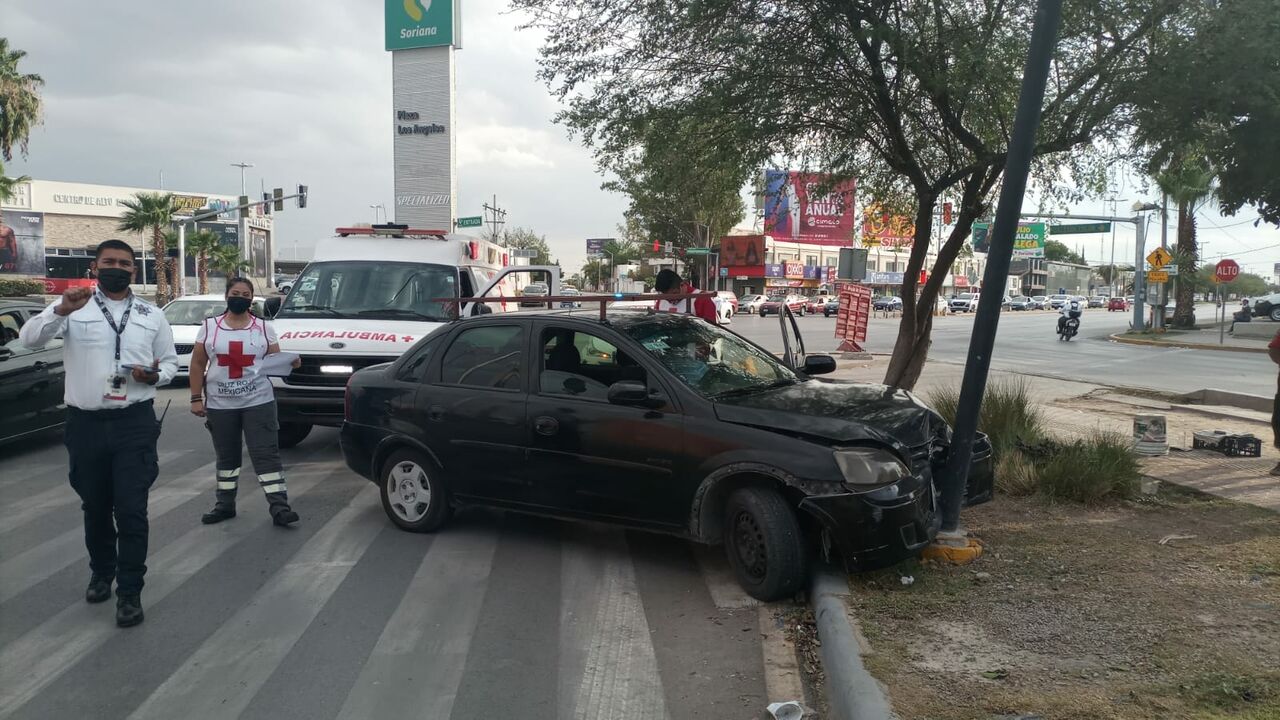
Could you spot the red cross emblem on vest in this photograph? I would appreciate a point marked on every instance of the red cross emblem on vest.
(236, 360)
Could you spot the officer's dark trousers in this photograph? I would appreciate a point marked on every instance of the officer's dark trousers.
(113, 465)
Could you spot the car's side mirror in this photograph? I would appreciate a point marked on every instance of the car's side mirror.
(481, 309)
(819, 364)
(631, 392)
(272, 306)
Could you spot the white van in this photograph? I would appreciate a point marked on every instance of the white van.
(368, 295)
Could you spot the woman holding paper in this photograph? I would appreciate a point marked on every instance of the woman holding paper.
(233, 393)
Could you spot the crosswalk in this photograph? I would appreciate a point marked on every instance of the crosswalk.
(345, 616)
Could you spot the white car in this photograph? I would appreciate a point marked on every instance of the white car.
(964, 302)
(187, 313)
(750, 304)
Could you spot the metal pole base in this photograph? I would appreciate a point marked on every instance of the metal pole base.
(953, 547)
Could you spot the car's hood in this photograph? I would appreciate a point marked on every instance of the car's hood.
(185, 334)
(837, 411)
(350, 336)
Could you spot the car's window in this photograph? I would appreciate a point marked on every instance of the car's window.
(708, 359)
(10, 323)
(193, 312)
(415, 368)
(582, 365)
(487, 357)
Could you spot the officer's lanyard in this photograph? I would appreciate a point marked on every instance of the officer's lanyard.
(124, 319)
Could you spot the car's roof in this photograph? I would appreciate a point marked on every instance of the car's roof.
(6, 302)
(205, 298)
(623, 317)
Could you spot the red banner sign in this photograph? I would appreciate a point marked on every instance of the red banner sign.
(852, 319)
(826, 209)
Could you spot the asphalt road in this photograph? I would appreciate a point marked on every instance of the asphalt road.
(345, 616)
(1026, 342)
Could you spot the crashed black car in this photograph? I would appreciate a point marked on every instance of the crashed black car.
(659, 421)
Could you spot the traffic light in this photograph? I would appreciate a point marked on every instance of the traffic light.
(277, 196)
(657, 247)
(244, 206)
(302, 196)
(266, 203)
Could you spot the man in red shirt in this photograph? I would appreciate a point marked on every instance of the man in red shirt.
(1273, 349)
(668, 282)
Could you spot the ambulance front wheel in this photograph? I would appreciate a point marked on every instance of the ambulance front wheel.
(293, 433)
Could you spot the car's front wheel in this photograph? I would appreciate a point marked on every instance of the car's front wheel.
(1275, 313)
(763, 541)
(413, 495)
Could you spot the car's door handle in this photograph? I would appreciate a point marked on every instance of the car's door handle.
(546, 425)
(435, 413)
(40, 365)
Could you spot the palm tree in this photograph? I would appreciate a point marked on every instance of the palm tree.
(19, 101)
(8, 185)
(227, 260)
(1188, 180)
(201, 245)
(154, 212)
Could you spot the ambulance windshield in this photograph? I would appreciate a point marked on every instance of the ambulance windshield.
(390, 290)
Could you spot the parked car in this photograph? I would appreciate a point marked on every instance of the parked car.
(1039, 302)
(1020, 302)
(832, 307)
(1267, 306)
(1098, 301)
(797, 303)
(283, 282)
(887, 303)
(31, 379)
(1117, 303)
(532, 292)
(726, 305)
(817, 303)
(653, 421)
(964, 302)
(187, 313)
(750, 304)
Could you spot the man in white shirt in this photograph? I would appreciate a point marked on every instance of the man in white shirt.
(116, 348)
(1070, 308)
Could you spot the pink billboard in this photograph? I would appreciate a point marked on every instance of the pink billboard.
(825, 211)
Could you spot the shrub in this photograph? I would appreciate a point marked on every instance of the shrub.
(1008, 413)
(1016, 475)
(20, 288)
(1096, 469)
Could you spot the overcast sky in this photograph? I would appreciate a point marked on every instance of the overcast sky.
(303, 91)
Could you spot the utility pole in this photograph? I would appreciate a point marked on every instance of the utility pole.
(242, 166)
(1044, 35)
(242, 225)
(497, 218)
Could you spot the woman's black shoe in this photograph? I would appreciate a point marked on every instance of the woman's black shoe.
(217, 515)
(99, 589)
(285, 518)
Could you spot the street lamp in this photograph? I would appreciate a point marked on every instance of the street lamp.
(375, 209)
(1140, 249)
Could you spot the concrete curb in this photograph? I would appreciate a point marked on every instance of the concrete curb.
(1188, 345)
(851, 691)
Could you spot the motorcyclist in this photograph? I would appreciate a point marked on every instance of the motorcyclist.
(1070, 309)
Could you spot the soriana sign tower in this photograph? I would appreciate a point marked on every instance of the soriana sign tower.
(422, 35)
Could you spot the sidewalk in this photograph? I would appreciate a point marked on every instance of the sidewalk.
(1076, 408)
(1200, 339)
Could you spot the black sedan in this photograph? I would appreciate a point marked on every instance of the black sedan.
(31, 380)
(652, 420)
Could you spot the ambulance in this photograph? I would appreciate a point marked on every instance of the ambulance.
(369, 294)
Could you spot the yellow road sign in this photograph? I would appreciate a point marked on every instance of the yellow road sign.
(1156, 276)
(1159, 258)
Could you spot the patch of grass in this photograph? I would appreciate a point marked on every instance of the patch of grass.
(1016, 475)
(1100, 468)
(1008, 415)
(1220, 690)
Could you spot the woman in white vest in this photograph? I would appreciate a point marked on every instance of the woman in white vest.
(236, 400)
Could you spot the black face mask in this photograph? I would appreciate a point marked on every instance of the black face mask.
(114, 280)
(238, 305)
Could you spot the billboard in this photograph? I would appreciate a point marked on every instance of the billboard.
(742, 250)
(1028, 240)
(595, 246)
(881, 228)
(826, 209)
(22, 243)
(777, 204)
(419, 23)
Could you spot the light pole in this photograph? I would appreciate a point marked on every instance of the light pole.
(375, 209)
(242, 166)
(1139, 250)
(242, 225)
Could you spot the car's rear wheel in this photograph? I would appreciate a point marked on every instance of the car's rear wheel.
(1275, 313)
(414, 496)
(763, 541)
(291, 434)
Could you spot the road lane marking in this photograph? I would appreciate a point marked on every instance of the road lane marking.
(45, 652)
(417, 665)
(726, 591)
(223, 675)
(608, 665)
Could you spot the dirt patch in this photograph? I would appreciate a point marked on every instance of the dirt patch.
(1076, 613)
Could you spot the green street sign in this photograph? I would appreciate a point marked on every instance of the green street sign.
(1085, 229)
(698, 251)
(473, 221)
(418, 23)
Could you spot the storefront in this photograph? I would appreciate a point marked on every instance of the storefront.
(758, 264)
(54, 227)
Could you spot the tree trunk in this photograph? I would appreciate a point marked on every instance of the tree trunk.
(202, 272)
(159, 253)
(1184, 313)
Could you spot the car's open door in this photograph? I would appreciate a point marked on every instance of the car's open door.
(792, 342)
(549, 273)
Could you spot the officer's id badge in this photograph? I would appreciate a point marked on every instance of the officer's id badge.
(117, 386)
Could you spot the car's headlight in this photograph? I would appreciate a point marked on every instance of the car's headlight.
(868, 467)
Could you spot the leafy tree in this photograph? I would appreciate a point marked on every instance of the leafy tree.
(1054, 250)
(153, 212)
(1214, 85)
(1188, 181)
(915, 98)
(9, 185)
(20, 104)
(227, 260)
(525, 239)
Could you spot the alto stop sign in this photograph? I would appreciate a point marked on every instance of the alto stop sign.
(1226, 271)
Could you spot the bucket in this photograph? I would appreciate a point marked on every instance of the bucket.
(1150, 436)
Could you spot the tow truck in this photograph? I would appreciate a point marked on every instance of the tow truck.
(368, 295)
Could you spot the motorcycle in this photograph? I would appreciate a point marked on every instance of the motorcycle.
(1068, 329)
